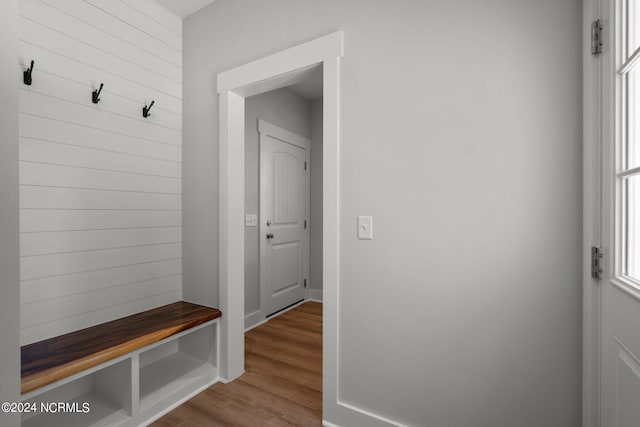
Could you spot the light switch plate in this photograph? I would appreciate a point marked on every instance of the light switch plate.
(251, 220)
(365, 227)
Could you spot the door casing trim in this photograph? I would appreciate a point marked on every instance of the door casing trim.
(233, 86)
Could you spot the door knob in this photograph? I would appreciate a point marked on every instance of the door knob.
(270, 236)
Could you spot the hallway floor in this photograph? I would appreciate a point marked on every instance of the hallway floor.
(282, 383)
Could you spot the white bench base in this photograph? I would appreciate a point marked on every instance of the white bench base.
(134, 389)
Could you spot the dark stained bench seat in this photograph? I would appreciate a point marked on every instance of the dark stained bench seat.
(47, 361)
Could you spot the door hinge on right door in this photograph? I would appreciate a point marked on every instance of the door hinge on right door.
(596, 37)
(596, 263)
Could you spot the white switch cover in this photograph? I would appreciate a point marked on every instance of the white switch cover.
(365, 227)
(251, 220)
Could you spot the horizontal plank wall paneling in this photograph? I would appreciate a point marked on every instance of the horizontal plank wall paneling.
(47, 197)
(70, 20)
(87, 75)
(38, 220)
(100, 185)
(150, 17)
(65, 45)
(64, 89)
(60, 153)
(53, 242)
(88, 114)
(47, 129)
(159, 15)
(43, 266)
(52, 287)
(52, 328)
(70, 176)
(67, 307)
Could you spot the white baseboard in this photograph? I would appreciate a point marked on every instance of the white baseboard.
(255, 319)
(352, 415)
(315, 295)
(296, 305)
(252, 320)
(344, 414)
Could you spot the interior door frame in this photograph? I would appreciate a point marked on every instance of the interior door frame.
(595, 131)
(602, 131)
(269, 73)
(268, 129)
(608, 109)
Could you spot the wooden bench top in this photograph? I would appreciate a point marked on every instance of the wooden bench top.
(50, 360)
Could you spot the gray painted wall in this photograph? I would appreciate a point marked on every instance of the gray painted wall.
(10, 77)
(290, 111)
(315, 230)
(465, 309)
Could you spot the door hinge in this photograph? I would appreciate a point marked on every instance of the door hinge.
(305, 283)
(596, 37)
(305, 224)
(305, 165)
(596, 263)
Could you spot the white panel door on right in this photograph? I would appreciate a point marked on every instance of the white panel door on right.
(283, 217)
(620, 306)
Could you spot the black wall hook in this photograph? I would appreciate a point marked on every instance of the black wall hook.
(95, 95)
(145, 109)
(26, 75)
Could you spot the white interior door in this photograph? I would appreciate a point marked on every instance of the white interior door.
(620, 333)
(284, 227)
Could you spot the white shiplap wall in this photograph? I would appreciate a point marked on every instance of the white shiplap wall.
(100, 186)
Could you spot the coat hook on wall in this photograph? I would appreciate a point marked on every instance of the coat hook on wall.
(145, 109)
(26, 75)
(95, 95)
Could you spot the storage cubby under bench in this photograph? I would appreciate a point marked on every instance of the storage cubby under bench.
(127, 372)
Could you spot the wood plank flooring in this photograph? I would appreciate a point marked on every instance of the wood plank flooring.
(282, 383)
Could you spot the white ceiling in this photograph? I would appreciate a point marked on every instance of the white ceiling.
(184, 8)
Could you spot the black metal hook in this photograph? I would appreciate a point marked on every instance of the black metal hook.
(145, 109)
(95, 95)
(26, 75)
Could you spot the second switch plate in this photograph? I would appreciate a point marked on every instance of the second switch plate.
(251, 220)
(365, 227)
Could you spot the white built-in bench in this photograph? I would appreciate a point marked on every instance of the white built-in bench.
(130, 371)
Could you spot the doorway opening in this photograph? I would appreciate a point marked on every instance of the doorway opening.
(283, 199)
(234, 86)
(283, 248)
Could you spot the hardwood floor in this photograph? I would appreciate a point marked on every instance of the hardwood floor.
(282, 383)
